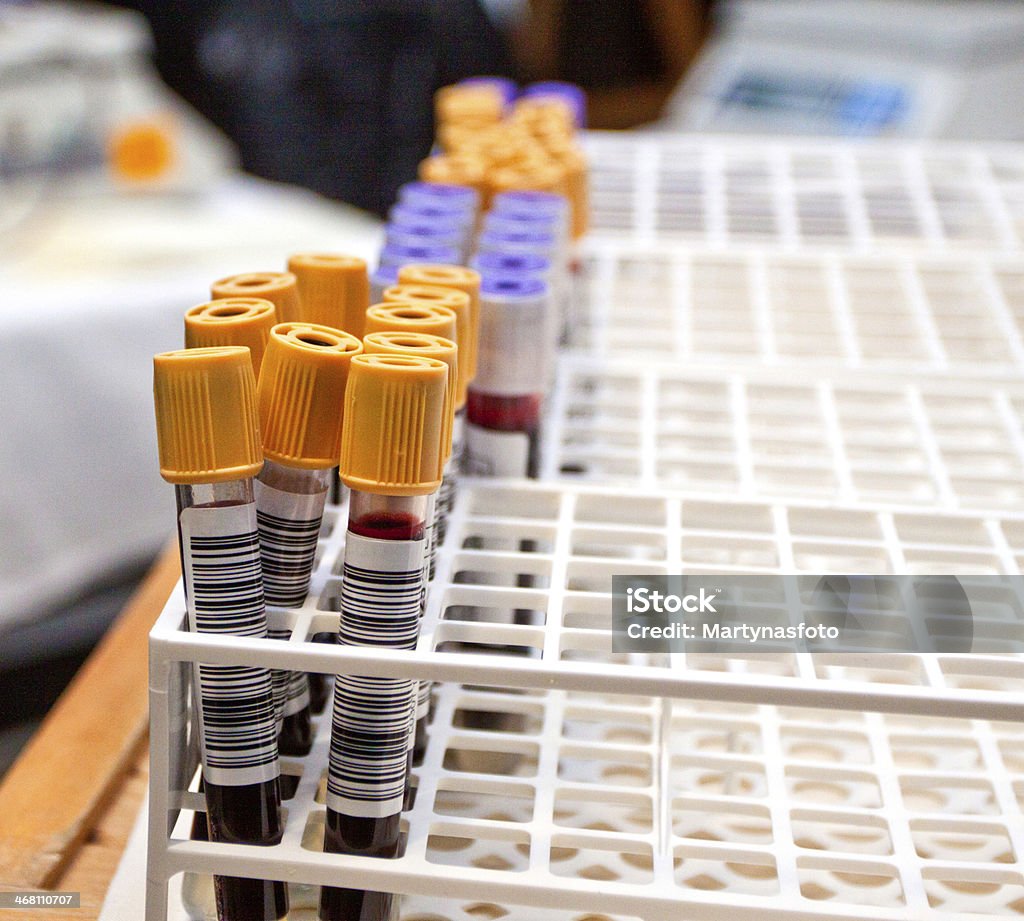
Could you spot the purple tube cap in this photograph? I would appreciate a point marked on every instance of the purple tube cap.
(402, 253)
(567, 92)
(529, 202)
(520, 220)
(457, 197)
(496, 262)
(527, 236)
(524, 286)
(421, 234)
(426, 213)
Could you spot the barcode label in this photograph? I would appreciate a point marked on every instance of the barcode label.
(423, 699)
(381, 589)
(289, 526)
(497, 454)
(297, 696)
(224, 592)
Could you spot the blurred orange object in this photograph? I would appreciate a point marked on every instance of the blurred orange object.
(143, 151)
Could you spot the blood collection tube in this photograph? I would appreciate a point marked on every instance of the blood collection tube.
(530, 203)
(277, 287)
(208, 442)
(426, 232)
(243, 321)
(498, 262)
(441, 197)
(457, 224)
(429, 318)
(334, 290)
(426, 346)
(412, 316)
(450, 276)
(399, 254)
(515, 357)
(459, 302)
(391, 461)
(300, 397)
(507, 237)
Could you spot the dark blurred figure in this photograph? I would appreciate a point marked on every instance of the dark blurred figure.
(628, 55)
(333, 95)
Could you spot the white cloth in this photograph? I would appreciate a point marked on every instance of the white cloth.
(97, 287)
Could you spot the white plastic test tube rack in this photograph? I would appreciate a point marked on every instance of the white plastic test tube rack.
(959, 314)
(842, 437)
(806, 194)
(781, 792)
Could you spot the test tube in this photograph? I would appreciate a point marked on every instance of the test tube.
(505, 398)
(300, 425)
(429, 318)
(531, 202)
(426, 232)
(334, 290)
(456, 223)
(208, 443)
(391, 462)
(277, 287)
(443, 197)
(426, 346)
(450, 276)
(399, 254)
(459, 303)
(242, 321)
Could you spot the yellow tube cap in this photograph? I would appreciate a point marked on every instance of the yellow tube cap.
(412, 317)
(455, 169)
(277, 287)
(425, 346)
(459, 278)
(206, 426)
(231, 321)
(394, 414)
(477, 104)
(540, 177)
(456, 301)
(301, 394)
(334, 290)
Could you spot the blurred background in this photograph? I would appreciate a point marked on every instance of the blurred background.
(150, 147)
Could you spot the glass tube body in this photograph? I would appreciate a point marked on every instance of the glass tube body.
(238, 813)
(290, 508)
(379, 606)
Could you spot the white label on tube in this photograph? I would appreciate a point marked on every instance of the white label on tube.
(297, 698)
(382, 584)
(289, 526)
(223, 585)
(496, 454)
